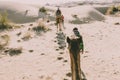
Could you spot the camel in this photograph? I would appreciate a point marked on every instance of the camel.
(74, 50)
(59, 23)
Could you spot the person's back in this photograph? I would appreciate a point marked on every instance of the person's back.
(77, 34)
(58, 12)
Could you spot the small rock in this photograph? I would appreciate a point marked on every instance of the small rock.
(57, 49)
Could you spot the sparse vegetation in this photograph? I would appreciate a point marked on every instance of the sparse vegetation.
(74, 16)
(26, 36)
(113, 10)
(41, 27)
(4, 40)
(5, 23)
(14, 51)
(43, 9)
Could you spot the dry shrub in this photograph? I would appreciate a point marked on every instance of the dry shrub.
(113, 10)
(4, 40)
(26, 36)
(74, 16)
(41, 27)
(5, 23)
(14, 51)
(43, 9)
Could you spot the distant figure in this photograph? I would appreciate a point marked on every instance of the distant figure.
(59, 19)
(26, 12)
(42, 13)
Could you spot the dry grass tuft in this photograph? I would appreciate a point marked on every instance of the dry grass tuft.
(113, 10)
(26, 36)
(14, 51)
(4, 40)
(41, 27)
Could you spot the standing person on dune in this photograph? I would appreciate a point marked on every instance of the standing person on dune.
(58, 19)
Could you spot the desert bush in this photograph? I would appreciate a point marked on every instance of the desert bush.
(4, 40)
(112, 10)
(14, 51)
(26, 36)
(74, 16)
(41, 27)
(5, 23)
(43, 9)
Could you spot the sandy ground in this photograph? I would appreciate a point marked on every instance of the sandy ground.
(48, 61)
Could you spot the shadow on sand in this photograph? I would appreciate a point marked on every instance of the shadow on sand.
(61, 40)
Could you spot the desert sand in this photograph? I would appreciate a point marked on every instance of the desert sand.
(42, 57)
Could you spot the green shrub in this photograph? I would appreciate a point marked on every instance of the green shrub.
(5, 23)
(43, 9)
(26, 36)
(113, 10)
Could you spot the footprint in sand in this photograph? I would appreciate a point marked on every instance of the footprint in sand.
(65, 61)
(61, 52)
(61, 40)
(57, 49)
(31, 50)
(42, 54)
(59, 58)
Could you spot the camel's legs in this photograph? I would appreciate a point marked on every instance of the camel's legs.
(75, 66)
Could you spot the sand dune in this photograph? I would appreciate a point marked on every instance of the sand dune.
(17, 13)
(83, 12)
